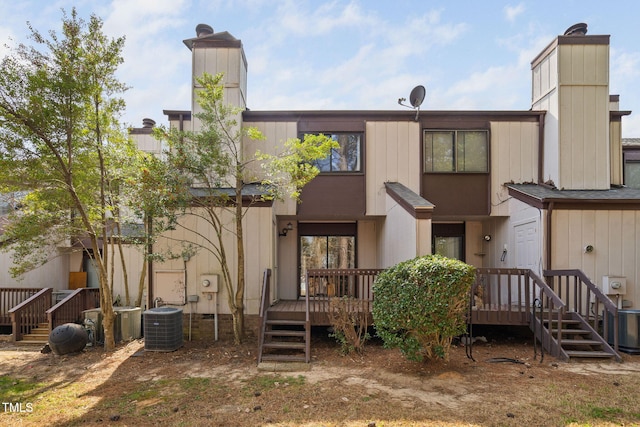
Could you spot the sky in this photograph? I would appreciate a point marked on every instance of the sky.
(348, 54)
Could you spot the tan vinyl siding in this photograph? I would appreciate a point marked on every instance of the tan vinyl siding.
(134, 262)
(615, 236)
(583, 64)
(223, 60)
(399, 234)
(367, 244)
(258, 243)
(149, 144)
(276, 134)
(393, 154)
(514, 157)
(544, 78)
(286, 279)
(584, 136)
(54, 274)
(474, 251)
(583, 78)
(615, 152)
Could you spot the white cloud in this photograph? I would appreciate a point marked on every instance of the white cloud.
(512, 12)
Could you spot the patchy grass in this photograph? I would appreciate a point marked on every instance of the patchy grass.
(16, 389)
(219, 385)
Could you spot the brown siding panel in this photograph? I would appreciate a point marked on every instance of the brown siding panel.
(333, 196)
(457, 194)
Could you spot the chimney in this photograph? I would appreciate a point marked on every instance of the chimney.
(203, 30)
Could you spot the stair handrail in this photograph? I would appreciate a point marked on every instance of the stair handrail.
(548, 303)
(307, 320)
(586, 311)
(264, 306)
(10, 297)
(70, 309)
(29, 313)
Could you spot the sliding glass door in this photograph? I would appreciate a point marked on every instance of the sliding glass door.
(325, 246)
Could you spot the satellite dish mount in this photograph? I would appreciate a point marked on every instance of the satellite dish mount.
(416, 97)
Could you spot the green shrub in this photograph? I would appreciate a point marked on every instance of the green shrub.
(348, 317)
(420, 305)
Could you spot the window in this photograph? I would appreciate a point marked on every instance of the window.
(632, 167)
(448, 240)
(632, 174)
(347, 157)
(456, 151)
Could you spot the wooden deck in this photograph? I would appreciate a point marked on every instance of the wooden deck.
(490, 315)
(497, 297)
(295, 310)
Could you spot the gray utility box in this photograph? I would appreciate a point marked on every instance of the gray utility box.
(94, 316)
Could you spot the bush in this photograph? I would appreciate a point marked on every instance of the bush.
(420, 305)
(348, 317)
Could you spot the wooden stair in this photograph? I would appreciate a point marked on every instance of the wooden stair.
(285, 340)
(579, 341)
(38, 335)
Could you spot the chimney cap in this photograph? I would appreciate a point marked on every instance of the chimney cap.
(579, 29)
(203, 30)
(148, 123)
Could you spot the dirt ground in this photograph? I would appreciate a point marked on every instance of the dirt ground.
(216, 383)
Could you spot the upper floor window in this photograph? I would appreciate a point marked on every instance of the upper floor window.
(456, 151)
(347, 157)
(632, 173)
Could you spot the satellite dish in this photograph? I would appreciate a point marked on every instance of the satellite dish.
(417, 96)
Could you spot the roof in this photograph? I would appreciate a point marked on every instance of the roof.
(252, 194)
(541, 196)
(412, 202)
(631, 142)
(248, 190)
(395, 115)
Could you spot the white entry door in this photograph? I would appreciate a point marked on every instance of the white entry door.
(527, 246)
(527, 252)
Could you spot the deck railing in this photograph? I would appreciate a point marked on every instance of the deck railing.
(9, 298)
(498, 296)
(517, 296)
(70, 309)
(501, 295)
(353, 283)
(29, 313)
(582, 296)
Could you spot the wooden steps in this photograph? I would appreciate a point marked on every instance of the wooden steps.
(579, 341)
(284, 341)
(38, 335)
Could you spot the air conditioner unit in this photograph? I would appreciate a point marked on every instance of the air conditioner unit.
(130, 322)
(163, 329)
(613, 285)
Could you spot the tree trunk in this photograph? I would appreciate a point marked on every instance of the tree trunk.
(238, 321)
(143, 273)
(125, 276)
